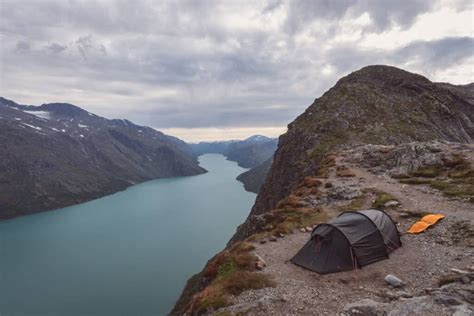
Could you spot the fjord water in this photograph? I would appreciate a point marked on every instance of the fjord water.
(129, 253)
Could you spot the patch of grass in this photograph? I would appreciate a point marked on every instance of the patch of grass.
(211, 298)
(428, 172)
(291, 201)
(226, 269)
(399, 176)
(244, 280)
(381, 199)
(355, 205)
(449, 278)
(286, 220)
(231, 272)
(415, 181)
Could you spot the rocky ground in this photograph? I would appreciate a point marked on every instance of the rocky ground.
(436, 266)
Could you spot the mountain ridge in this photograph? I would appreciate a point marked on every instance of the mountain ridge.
(59, 154)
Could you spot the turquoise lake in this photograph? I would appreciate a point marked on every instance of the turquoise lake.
(129, 253)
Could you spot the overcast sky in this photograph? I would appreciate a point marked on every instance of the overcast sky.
(220, 69)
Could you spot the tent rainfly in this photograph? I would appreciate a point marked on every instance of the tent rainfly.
(350, 241)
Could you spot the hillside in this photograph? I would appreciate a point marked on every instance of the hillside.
(252, 154)
(375, 105)
(254, 178)
(313, 178)
(58, 154)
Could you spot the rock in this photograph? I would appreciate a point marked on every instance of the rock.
(303, 230)
(345, 192)
(259, 265)
(395, 295)
(365, 307)
(263, 241)
(259, 258)
(447, 300)
(309, 229)
(393, 280)
(456, 270)
(404, 215)
(392, 203)
(281, 235)
(273, 239)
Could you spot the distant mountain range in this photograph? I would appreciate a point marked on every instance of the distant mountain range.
(255, 152)
(58, 154)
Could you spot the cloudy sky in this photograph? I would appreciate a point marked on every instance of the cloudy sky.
(220, 69)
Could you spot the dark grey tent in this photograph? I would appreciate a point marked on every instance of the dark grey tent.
(351, 240)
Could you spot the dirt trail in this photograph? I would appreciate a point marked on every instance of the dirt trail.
(419, 263)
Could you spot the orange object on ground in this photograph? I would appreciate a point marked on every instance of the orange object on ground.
(425, 222)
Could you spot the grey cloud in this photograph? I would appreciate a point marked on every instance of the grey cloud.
(22, 46)
(384, 13)
(55, 48)
(180, 64)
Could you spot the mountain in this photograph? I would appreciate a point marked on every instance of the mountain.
(254, 178)
(58, 154)
(255, 152)
(217, 147)
(381, 110)
(252, 151)
(375, 105)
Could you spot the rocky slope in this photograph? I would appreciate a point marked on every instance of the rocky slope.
(377, 105)
(58, 154)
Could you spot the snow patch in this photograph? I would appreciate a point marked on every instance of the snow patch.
(82, 126)
(18, 119)
(63, 130)
(55, 129)
(41, 114)
(140, 131)
(32, 126)
(81, 136)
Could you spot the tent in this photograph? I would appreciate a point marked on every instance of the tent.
(350, 241)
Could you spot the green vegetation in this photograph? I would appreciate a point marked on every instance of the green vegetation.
(454, 179)
(381, 199)
(230, 273)
(428, 172)
(415, 181)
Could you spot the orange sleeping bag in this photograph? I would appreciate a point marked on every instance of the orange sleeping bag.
(425, 222)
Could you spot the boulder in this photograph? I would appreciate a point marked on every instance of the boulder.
(365, 307)
(392, 203)
(393, 281)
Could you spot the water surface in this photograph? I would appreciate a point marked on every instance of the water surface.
(129, 253)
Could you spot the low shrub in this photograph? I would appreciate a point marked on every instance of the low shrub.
(381, 199)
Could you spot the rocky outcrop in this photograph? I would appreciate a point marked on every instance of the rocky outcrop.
(58, 154)
(378, 105)
(450, 299)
